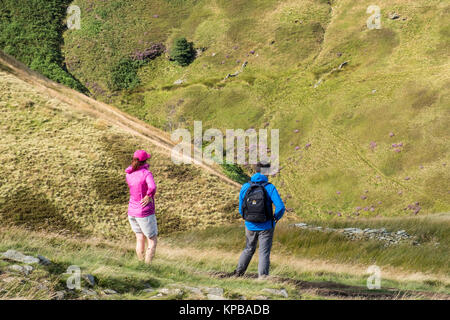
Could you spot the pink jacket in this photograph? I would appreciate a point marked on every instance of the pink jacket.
(141, 183)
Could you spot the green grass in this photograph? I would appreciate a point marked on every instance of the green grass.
(114, 266)
(429, 257)
(394, 81)
(295, 44)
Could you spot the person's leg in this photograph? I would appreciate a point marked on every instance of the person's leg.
(149, 227)
(140, 238)
(151, 249)
(265, 245)
(140, 246)
(251, 239)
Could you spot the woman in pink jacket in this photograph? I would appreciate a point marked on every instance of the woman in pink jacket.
(141, 208)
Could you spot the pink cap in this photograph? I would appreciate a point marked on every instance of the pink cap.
(141, 155)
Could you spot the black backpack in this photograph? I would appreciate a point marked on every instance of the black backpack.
(257, 205)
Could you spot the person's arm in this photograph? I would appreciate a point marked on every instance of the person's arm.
(241, 197)
(151, 190)
(278, 203)
(151, 185)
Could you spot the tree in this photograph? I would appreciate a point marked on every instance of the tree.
(182, 51)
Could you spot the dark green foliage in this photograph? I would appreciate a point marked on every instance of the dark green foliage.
(182, 52)
(31, 31)
(124, 74)
(235, 172)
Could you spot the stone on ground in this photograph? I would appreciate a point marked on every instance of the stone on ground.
(17, 256)
(276, 292)
(26, 270)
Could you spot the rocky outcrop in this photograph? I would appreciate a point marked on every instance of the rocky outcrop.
(17, 256)
(390, 238)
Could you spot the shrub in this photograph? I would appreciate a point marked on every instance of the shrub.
(182, 51)
(124, 74)
(151, 53)
(235, 172)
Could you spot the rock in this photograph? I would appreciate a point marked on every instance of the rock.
(88, 292)
(394, 16)
(318, 83)
(215, 291)
(194, 290)
(42, 287)
(179, 81)
(277, 292)
(261, 298)
(90, 279)
(215, 297)
(43, 260)
(19, 257)
(109, 291)
(176, 292)
(148, 290)
(301, 225)
(342, 64)
(26, 270)
(59, 295)
(9, 279)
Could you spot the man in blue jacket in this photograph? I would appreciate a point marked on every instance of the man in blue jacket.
(262, 231)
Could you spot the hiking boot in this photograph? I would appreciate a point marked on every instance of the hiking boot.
(237, 273)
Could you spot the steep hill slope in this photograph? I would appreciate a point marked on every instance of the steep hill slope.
(313, 66)
(63, 157)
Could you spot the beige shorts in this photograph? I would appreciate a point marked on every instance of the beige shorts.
(147, 225)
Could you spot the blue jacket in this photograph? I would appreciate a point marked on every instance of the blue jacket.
(274, 196)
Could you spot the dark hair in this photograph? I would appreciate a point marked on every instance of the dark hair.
(135, 163)
(257, 167)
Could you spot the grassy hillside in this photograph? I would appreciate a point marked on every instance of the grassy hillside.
(63, 170)
(393, 80)
(63, 195)
(372, 105)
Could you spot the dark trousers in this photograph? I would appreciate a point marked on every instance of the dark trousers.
(265, 238)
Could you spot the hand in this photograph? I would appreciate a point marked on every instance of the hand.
(145, 201)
